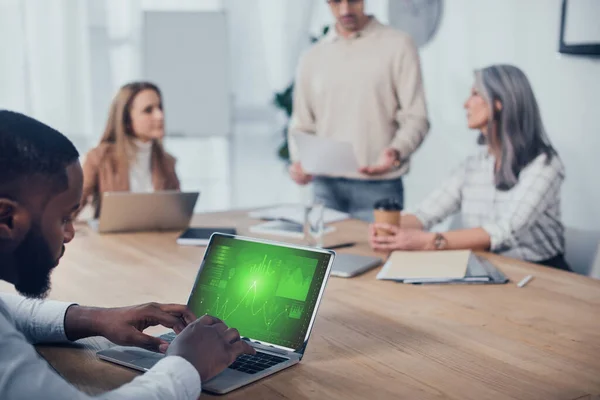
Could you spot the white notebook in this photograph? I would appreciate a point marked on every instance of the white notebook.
(423, 265)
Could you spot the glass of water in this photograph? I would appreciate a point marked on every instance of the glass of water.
(314, 226)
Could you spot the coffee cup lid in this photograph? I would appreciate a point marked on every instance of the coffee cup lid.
(390, 204)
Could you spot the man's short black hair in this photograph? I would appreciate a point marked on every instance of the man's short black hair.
(31, 148)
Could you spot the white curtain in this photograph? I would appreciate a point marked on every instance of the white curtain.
(44, 62)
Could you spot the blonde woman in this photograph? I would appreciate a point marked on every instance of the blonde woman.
(130, 155)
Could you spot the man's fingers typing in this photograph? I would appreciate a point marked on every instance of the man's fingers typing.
(147, 342)
(241, 347)
(231, 335)
(220, 327)
(166, 319)
(209, 320)
(179, 310)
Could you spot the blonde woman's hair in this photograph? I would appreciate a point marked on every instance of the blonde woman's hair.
(119, 130)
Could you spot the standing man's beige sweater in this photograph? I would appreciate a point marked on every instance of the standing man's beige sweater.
(367, 90)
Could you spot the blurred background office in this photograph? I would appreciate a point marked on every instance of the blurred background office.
(222, 63)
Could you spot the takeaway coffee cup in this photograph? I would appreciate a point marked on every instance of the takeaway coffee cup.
(387, 211)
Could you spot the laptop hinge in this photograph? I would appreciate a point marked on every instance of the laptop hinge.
(271, 349)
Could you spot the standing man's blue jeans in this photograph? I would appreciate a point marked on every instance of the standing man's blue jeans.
(357, 197)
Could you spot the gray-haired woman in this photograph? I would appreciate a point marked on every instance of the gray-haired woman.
(508, 193)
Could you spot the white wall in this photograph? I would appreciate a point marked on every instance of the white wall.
(249, 66)
(267, 37)
(476, 33)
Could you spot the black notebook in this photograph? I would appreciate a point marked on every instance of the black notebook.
(201, 236)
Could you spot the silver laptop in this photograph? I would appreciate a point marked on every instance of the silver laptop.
(349, 265)
(269, 291)
(135, 212)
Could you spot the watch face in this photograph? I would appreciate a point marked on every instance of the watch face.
(440, 241)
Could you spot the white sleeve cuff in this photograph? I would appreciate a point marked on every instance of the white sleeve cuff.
(182, 372)
(38, 320)
(56, 325)
(427, 223)
(499, 240)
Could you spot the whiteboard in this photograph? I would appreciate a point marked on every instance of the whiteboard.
(186, 53)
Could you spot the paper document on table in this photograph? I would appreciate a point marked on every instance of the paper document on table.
(284, 228)
(295, 213)
(425, 265)
(324, 156)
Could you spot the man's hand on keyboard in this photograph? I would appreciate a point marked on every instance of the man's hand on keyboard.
(125, 325)
(209, 345)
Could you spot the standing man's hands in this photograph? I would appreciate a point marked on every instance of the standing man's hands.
(210, 346)
(389, 159)
(298, 174)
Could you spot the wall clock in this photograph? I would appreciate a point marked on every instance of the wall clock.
(418, 18)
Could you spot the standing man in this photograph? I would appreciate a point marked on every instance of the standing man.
(361, 84)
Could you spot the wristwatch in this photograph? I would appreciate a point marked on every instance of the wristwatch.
(440, 242)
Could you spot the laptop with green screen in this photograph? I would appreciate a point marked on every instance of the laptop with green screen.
(269, 291)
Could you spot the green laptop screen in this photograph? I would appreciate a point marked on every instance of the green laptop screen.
(267, 292)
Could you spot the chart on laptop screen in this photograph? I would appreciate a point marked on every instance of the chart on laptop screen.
(267, 292)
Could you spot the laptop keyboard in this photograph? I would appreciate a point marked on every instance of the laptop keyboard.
(244, 363)
(256, 363)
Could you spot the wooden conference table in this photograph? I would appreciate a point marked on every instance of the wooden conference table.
(372, 339)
